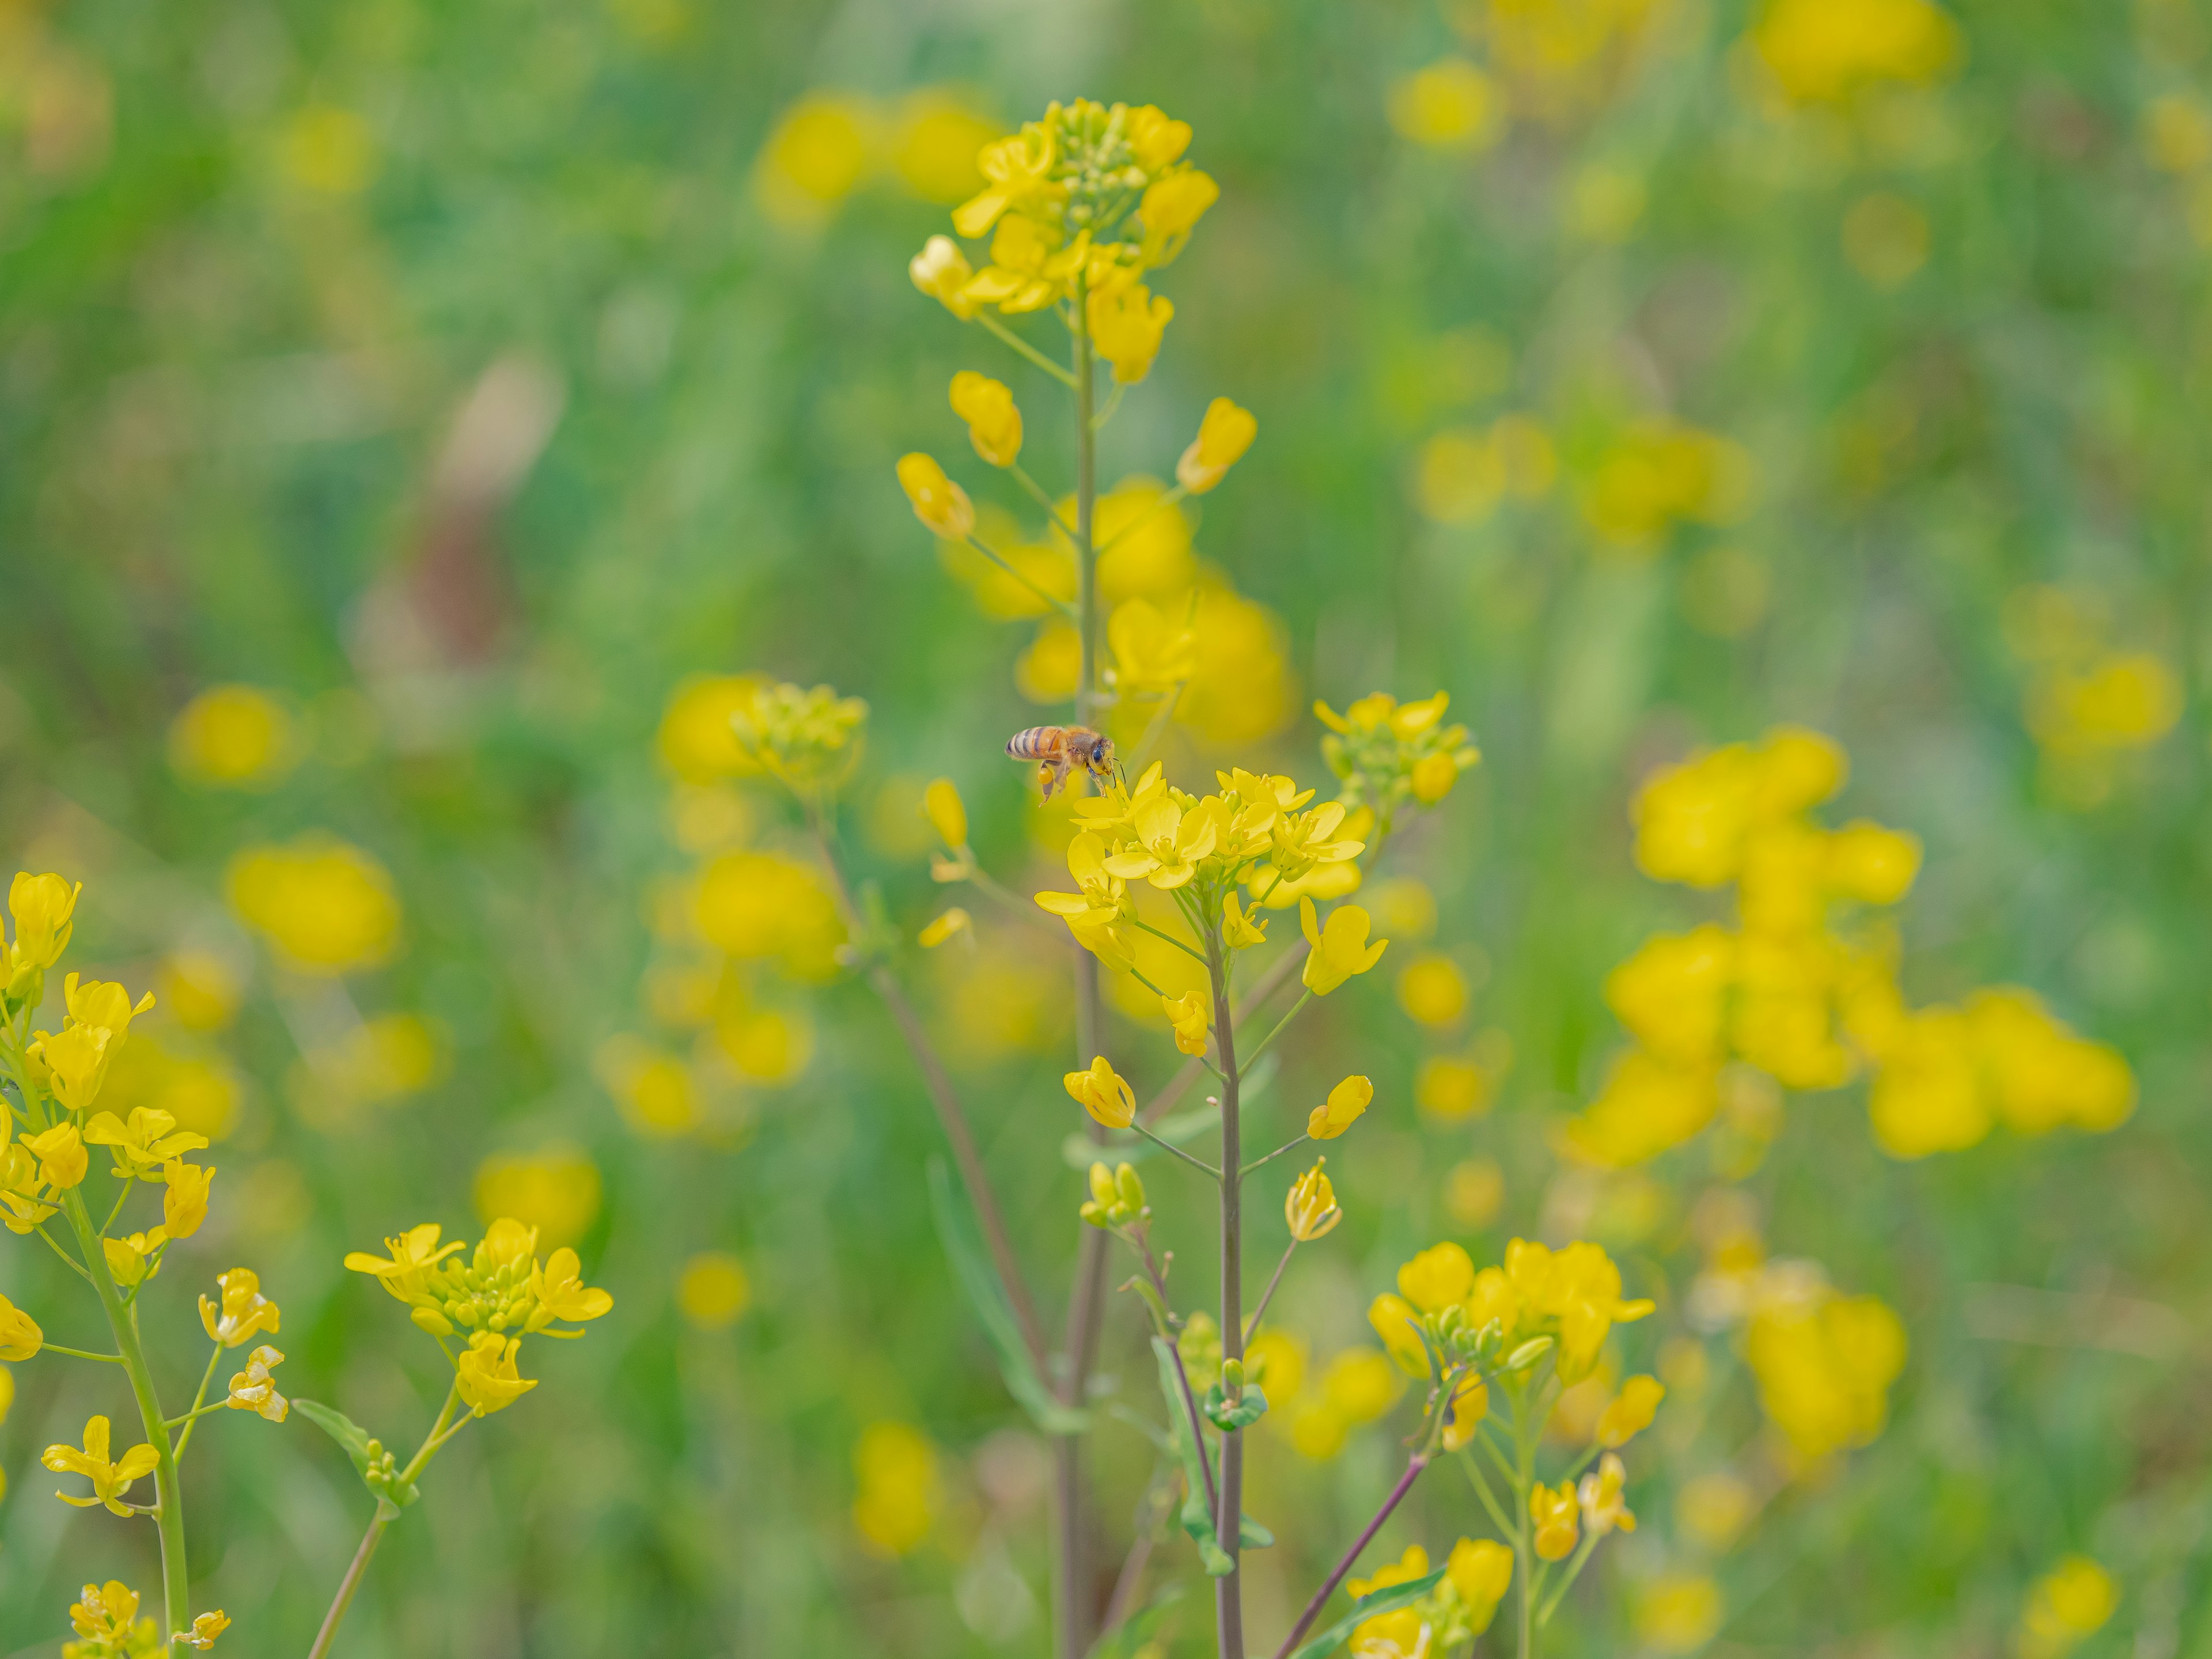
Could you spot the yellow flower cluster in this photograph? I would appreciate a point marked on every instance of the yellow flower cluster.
(1388, 753)
(1823, 1364)
(1080, 207)
(830, 143)
(1571, 1295)
(1658, 475)
(802, 739)
(1358, 1387)
(1785, 992)
(1462, 472)
(1476, 1575)
(105, 1619)
(502, 1288)
(899, 1491)
(1824, 51)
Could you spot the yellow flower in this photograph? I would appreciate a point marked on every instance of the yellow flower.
(19, 1335)
(1171, 207)
(149, 1139)
(1017, 168)
(995, 425)
(817, 156)
(1340, 950)
(235, 737)
(1224, 433)
(106, 1616)
(205, 1629)
(245, 1312)
(1091, 913)
(947, 815)
(1152, 656)
(559, 1290)
(1302, 840)
(1556, 1519)
(185, 1206)
(899, 1495)
(63, 1160)
(1433, 776)
(1156, 138)
(413, 1254)
(942, 271)
(1432, 989)
(1450, 105)
(109, 1480)
(1169, 843)
(1481, 1571)
(1341, 1109)
(76, 1059)
(328, 907)
(1189, 1014)
(714, 1290)
(43, 906)
(1413, 1564)
(939, 503)
(1678, 1613)
(1126, 324)
(253, 1390)
(1309, 1207)
(952, 921)
(1630, 1412)
(1464, 1412)
(1104, 1093)
(135, 1258)
(1824, 1370)
(486, 1375)
(2068, 1605)
(1604, 1500)
(1824, 51)
(1241, 929)
(1398, 1323)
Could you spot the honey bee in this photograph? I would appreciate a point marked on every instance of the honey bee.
(1058, 750)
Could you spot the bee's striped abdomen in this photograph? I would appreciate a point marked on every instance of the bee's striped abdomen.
(1038, 742)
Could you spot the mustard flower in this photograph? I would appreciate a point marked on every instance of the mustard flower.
(941, 505)
(1117, 1197)
(22, 1187)
(244, 1313)
(1241, 929)
(1223, 434)
(76, 1059)
(103, 1005)
(1188, 1015)
(995, 424)
(1104, 1093)
(1433, 776)
(1481, 1570)
(413, 1254)
(1604, 1500)
(62, 1158)
(1309, 1207)
(1631, 1411)
(486, 1374)
(1092, 913)
(560, 1293)
(1340, 950)
(42, 907)
(106, 1616)
(150, 1140)
(135, 1258)
(942, 271)
(1126, 326)
(1302, 840)
(1170, 842)
(1152, 655)
(2067, 1605)
(1170, 208)
(1554, 1515)
(947, 814)
(1398, 1323)
(185, 1206)
(1440, 1276)
(1464, 1412)
(1341, 1109)
(205, 1629)
(110, 1480)
(19, 1335)
(1017, 169)
(254, 1390)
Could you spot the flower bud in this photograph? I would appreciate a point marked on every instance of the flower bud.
(1310, 1207)
(941, 505)
(942, 805)
(1528, 1354)
(1130, 1189)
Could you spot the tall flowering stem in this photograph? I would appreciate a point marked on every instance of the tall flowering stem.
(1229, 1590)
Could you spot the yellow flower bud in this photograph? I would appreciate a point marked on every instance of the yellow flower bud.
(63, 1160)
(1346, 1103)
(1433, 776)
(1188, 1014)
(995, 425)
(1481, 1571)
(939, 503)
(1224, 435)
(952, 921)
(942, 271)
(1240, 928)
(942, 806)
(1310, 1207)
(1104, 1093)
(42, 907)
(19, 1335)
(185, 1206)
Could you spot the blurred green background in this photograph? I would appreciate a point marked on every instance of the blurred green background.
(465, 379)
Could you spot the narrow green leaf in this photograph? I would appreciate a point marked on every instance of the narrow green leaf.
(969, 1265)
(1366, 1607)
(340, 1428)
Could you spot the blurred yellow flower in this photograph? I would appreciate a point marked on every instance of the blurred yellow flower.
(200, 988)
(714, 1290)
(254, 1389)
(1659, 474)
(1630, 1412)
(1432, 989)
(995, 424)
(941, 505)
(766, 906)
(1480, 1571)
(330, 149)
(1413, 1564)
(898, 1503)
(950, 923)
(557, 1191)
(1678, 1613)
(1126, 324)
(942, 806)
(1824, 1370)
(327, 906)
(1556, 1518)
(1474, 1192)
(106, 1616)
(1224, 433)
(1449, 106)
(110, 1480)
(695, 741)
(1713, 1510)
(2118, 702)
(1341, 1109)
(1050, 670)
(44, 908)
(1604, 1500)
(654, 1089)
(2066, 1606)
(818, 155)
(942, 271)
(232, 737)
(1152, 655)
(934, 143)
(1823, 51)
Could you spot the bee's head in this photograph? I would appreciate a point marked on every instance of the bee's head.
(1102, 751)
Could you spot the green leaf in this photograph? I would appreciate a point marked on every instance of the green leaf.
(355, 1440)
(1248, 1409)
(1384, 1600)
(1194, 1517)
(1251, 1535)
(969, 1265)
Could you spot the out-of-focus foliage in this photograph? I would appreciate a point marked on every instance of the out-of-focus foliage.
(413, 419)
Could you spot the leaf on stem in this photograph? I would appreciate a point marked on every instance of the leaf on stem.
(355, 1440)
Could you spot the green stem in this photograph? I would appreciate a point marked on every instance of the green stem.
(1037, 494)
(386, 1513)
(1228, 1590)
(1574, 1571)
(169, 1498)
(1474, 1467)
(79, 1353)
(1266, 1041)
(1287, 1146)
(1025, 348)
(1156, 933)
(207, 1379)
(1524, 1536)
(1194, 1163)
(121, 1199)
(1268, 1295)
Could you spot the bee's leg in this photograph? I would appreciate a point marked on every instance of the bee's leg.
(1051, 777)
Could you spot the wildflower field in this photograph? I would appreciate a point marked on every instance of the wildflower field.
(1269, 827)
